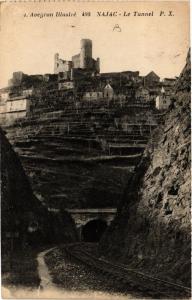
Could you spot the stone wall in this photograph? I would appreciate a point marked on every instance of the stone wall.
(61, 65)
(14, 109)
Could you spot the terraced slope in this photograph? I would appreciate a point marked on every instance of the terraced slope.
(81, 156)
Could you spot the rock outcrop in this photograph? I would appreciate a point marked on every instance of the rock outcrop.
(152, 229)
(18, 205)
(24, 220)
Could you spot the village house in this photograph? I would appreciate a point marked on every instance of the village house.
(151, 79)
(117, 76)
(168, 84)
(50, 77)
(108, 92)
(142, 94)
(93, 95)
(169, 81)
(65, 85)
(163, 101)
(27, 92)
(130, 75)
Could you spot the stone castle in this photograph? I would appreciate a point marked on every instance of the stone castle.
(83, 61)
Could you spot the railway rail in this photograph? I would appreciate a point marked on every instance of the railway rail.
(134, 280)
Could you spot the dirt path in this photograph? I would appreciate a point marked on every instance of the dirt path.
(75, 278)
(46, 279)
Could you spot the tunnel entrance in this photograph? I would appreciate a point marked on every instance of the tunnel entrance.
(93, 230)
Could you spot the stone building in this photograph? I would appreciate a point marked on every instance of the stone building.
(61, 65)
(108, 92)
(142, 94)
(131, 75)
(65, 85)
(169, 81)
(151, 79)
(50, 77)
(121, 76)
(93, 95)
(84, 59)
(14, 108)
(168, 84)
(28, 92)
(17, 79)
(163, 100)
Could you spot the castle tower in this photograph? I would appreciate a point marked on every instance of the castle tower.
(56, 62)
(86, 54)
(97, 65)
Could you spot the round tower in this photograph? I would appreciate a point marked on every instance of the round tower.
(86, 54)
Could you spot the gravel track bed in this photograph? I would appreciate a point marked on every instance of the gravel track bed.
(74, 276)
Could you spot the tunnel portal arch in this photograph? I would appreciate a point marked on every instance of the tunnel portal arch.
(93, 230)
(84, 216)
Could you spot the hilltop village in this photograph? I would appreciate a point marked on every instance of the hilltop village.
(79, 82)
(96, 125)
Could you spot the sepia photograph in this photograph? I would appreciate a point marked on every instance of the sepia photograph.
(95, 133)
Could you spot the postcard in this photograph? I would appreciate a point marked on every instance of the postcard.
(95, 149)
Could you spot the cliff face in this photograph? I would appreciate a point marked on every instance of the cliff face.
(152, 229)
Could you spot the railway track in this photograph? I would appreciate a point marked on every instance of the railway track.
(146, 284)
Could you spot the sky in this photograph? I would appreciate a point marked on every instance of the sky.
(145, 43)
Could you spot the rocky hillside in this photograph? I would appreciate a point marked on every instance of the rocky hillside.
(152, 229)
(24, 219)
